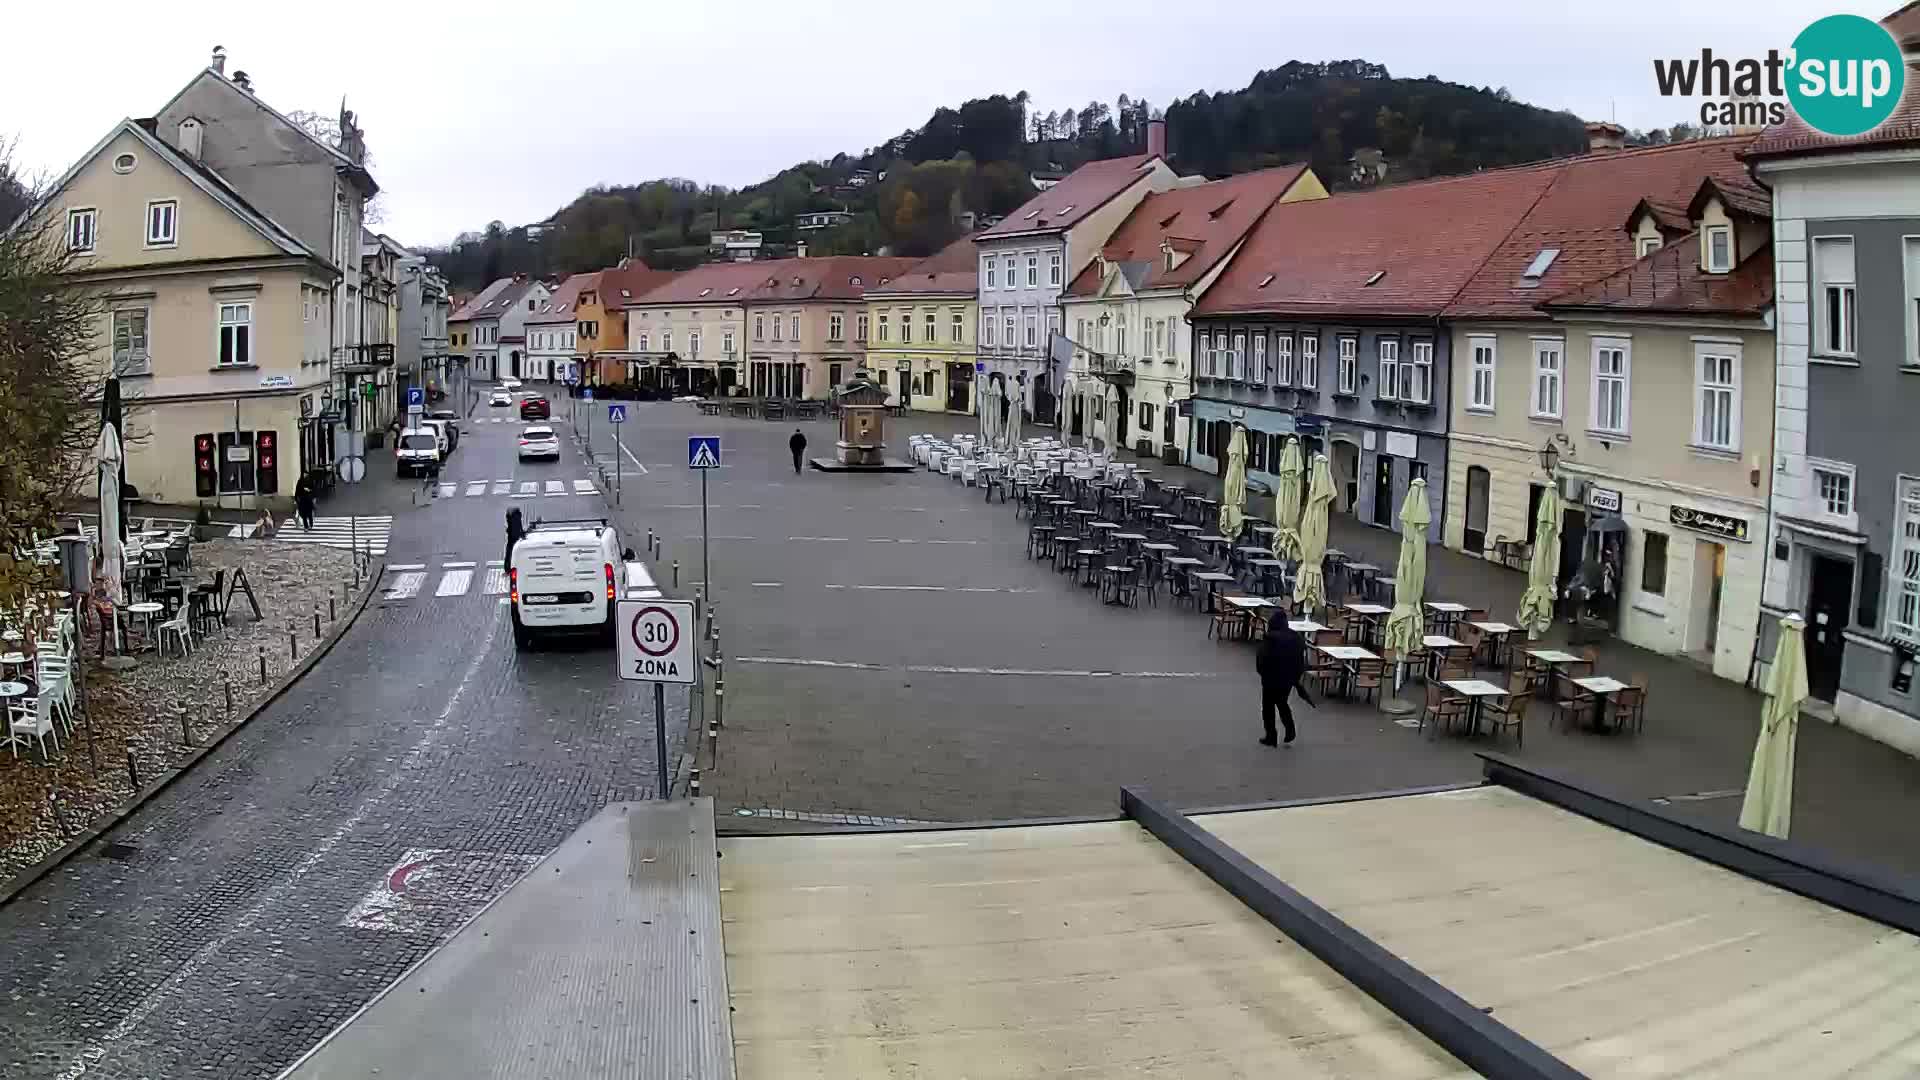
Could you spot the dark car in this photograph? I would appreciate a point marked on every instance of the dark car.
(536, 408)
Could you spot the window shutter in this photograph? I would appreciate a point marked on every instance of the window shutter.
(1872, 570)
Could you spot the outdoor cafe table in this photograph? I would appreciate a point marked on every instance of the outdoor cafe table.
(1131, 539)
(1246, 606)
(1265, 530)
(1268, 569)
(1555, 659)
(1359, 573)
(146, 610)
(1445, 613)
(1346, 654)
(1599, 686)
(1212, 540)
(1475, 691)
(1496, 633)
(1433, 642)
(1214, 580)
(12, 660)
(1370, 616)
(1305, 626)
(1090, 561)
(1111, 585)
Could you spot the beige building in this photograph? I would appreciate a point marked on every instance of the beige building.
(803, 321)
(1653, 387)
(219, 320)
(687, 335)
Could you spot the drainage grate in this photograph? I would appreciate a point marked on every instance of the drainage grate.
(118, 852)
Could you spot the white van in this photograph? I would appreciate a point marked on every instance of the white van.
(566, 577)
(417, 453)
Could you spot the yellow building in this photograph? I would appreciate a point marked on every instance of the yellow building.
(919, 330)
(219, 320)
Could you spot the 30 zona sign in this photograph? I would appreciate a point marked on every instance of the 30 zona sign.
(656, 639)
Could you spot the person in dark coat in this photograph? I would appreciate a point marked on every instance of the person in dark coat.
(303, 500)
(797, 444)
(516, 529)
(1281, 661)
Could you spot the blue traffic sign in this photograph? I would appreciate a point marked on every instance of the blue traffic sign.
(586, 394)
(416, 395)
(703, 451)
(616, 414)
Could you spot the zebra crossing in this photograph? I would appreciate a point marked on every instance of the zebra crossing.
(515, 489)
(418, 581)
(365, 532)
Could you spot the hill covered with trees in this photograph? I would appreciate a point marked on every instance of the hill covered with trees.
(908, 195)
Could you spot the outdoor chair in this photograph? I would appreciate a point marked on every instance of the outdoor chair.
(1370, 675)
(1456, 662)
(1224, 620)
(1442, 708)
(1510, 711)
(175, 630)
(1576, 704)
(31, 718)
(1147, 575)
(1628, 707)
(1180, 585)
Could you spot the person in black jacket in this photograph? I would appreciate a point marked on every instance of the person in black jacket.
(1281, 661)
(797, 444)
(516, 531)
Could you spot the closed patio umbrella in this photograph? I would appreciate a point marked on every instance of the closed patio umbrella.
(984, 407)
(1012, 435)
(1286, 503)
(1310, 586)
(1066, 405)
(1113, 419)
(1234, 497)
(111, 460)
(1768, 807)
(1406, 625)
(1536, 604)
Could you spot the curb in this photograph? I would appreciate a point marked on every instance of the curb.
(11, 888)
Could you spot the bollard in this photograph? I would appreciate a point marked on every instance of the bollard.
(133, 771)
(699, 600)
(59, 815)
(263, 665)
(331, 613)
(227, 681)
(186, 732)
(293, 644)
(693, 784)
(649, 540)
(676, 573)
(719, 703)
(316, 619)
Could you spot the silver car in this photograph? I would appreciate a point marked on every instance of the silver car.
(539, 442)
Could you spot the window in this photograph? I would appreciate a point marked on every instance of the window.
(793, 327)
(1259, 368)
(1033, 269)
(80, 232)
(160, 222)
(693, 343)
(991, 273)
(1160, 344)
(906, 327)
(1547, 359)
(1310, 361)
(759, 328)
(130, 342)
(958, 329)
(1833, 278)
(666, 339)
(1349, 374)
(1647, 246)
(860, 328)
(1421, 373)
(1903, 621)
(836, 327)
(1480, 388)
(1389, 368)
(1053, 325)
(1653, 563)
(931, 323)
(236, 334)
(1006, 324)
(1146, 417)
(886, 328)
(1237, 359)
(1717, 416)
(986, 328)
(1611, 370)
(1283, 370)
(1053, 268)
(640, 343)
(1833, 488)
(776, 328)
(1719, 249)
(1913, 302)
(1033, 331)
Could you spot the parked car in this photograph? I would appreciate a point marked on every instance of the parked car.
(536, 408)
(539, 441)
(499, 399)
(418, 453)
(508, 382)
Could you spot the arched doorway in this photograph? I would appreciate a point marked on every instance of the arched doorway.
(1479, 483)
(515, 360)
(1345, 462)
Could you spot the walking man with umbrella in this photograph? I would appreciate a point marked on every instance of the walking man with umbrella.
(1282, 660)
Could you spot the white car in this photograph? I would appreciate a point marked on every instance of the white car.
(508, 382)
(567, 577)
(499, 399)
(539, 442)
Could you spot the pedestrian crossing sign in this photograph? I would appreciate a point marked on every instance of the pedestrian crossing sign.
(616, 414)
(703, 451)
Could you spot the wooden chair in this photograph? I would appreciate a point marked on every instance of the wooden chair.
(1369, 676)
(1441, 707)
(1511, 711)
(1577, 703)
(1180, 586)
(1629, 706)
(1456, 662)
(1224, 620)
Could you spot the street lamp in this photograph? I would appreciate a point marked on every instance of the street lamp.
(1549, 458)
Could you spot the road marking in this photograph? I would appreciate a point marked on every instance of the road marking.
(529, 487)
(476, 487)
(769, 584)
(495, 564)
(555, 487)
(454, 583)
(502, 487)
(953, 541)
(408, 566)
(585, 487)
(934, 588)
(630, 457)
(944, 669)
(406, 586)
(446, 491)
(496, 582)
(820, 539)
(456, 566)
(279, 890)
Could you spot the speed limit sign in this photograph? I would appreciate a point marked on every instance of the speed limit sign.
(656, 641)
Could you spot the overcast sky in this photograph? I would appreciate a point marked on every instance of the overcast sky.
(475, 113)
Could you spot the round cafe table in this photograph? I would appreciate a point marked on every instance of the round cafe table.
(146, 610)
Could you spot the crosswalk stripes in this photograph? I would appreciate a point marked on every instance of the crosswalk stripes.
(555, 487)
(496, 582)
(449, 581)
(502, 487)
(476, 487)
(585, 487)
(516, 489)
(454, 583)
(369, 532)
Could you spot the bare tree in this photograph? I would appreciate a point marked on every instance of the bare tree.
(50, 390)
(327, 130)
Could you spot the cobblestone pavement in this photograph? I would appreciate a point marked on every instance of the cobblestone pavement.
(893, 654)
(416, 770)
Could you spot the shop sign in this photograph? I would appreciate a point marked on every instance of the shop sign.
(274, 382)
(1402, 444)
(1706, 521)
(1606, 499)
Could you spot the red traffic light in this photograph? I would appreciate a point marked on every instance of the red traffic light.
(266, 440)
(205, 443)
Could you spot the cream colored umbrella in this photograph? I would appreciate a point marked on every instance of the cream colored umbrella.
(1113, 419)
(984, 406)
(1407, 624)
(1286, 503)
(1310, 585)
(1011, 436)
(1769, 803)
(1536, 604)
(1233, 497)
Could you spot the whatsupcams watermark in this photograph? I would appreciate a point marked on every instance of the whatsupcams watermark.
(1843, 75)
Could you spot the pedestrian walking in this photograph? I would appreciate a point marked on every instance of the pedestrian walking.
(516, 529)
(797, 444)
(1281, 661)
(303, 500)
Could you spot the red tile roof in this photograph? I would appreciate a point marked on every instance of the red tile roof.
(1670, 281)
(1063, 205)
(1205, 221)
(1580, 214)
(1315, 258)
(709, 283)
(624, 284)
(1904, 25)
(559, 308)
(1901, 128)
(953, 269)
(479, 303)
(836, 277)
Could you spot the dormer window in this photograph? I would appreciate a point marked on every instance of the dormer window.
(1719, 250)
(1214, 214)
(854, 280)
(1647, 246)
(1374, 278)
(733, 291)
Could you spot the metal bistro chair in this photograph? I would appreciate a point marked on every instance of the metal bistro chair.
(1511, 711)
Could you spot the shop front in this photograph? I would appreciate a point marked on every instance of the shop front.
(960, 387)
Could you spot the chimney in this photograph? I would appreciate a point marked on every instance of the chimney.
(800, 250)
(219, 64)
(1157, 138)
(241, 80)
(190, 133)
(1603, 136)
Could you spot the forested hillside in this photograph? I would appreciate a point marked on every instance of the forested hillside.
(908, 194)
